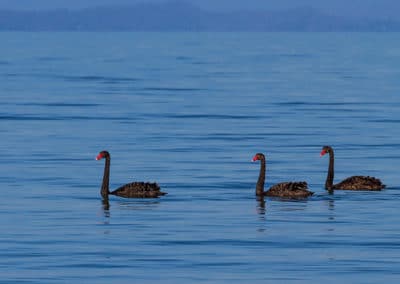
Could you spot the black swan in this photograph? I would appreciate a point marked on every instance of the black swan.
(294, 190)
(129, 190)
(351, 183)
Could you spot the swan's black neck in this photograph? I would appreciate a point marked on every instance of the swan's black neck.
(106, 179)
(331, 171)
(261, 178)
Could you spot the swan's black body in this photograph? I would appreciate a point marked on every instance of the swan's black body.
(130, 190)
(351, 183)
(292, 190)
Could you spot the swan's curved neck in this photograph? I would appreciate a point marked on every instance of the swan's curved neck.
(331, 171)
(261, 179)
(106, 179)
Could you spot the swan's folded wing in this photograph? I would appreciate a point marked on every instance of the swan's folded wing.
(139, 190)
(360, 183)
(289, 190)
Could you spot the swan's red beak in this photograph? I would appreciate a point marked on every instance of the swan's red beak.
(323, 152)
(99, 157)
(255, 158)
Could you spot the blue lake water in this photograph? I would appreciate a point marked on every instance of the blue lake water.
(189, 110)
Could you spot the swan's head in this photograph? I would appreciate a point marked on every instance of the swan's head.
(326, 150)
(258, 156)
(102, 154)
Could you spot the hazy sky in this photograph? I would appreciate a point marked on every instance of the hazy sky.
(382, 8)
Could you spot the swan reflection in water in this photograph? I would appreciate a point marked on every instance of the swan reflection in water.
(106, 207)
(261, 210)
(139, 204)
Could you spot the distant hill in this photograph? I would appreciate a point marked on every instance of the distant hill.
(181, 16)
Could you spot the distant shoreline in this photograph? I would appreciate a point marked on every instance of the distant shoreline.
(184, 17)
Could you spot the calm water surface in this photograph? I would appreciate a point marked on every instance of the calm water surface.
(189, 111)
